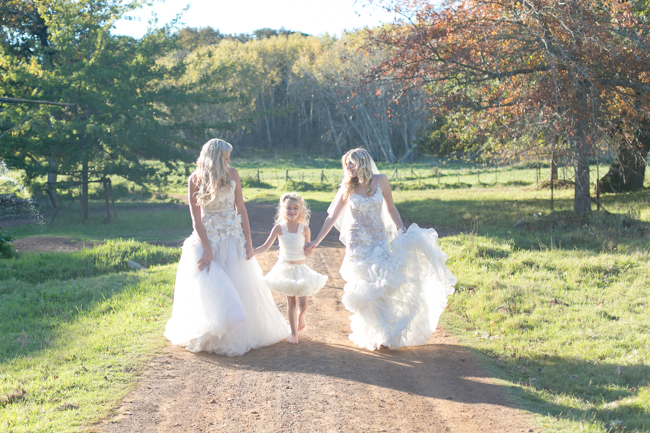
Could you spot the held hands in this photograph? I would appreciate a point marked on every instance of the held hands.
(309, 247)
(204, 263)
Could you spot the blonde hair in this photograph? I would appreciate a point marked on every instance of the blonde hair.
(211, 170)
(362, 159)
(292, 197)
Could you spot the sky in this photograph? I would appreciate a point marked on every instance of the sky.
(314, 17)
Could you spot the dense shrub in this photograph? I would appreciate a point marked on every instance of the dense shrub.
(6, 246)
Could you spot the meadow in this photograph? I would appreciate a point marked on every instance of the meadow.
(555, 305)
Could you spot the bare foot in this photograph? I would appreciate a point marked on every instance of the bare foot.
(383, 346)
(301, 322)
(293, 339)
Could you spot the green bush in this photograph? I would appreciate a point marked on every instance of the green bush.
(250, 182)
(298, 186)
(111, 257)
(6, 246)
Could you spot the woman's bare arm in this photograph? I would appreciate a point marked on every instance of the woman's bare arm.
(241, 210)
(195, 213)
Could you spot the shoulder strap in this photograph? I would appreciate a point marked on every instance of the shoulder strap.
(301, 228)
(284, 228)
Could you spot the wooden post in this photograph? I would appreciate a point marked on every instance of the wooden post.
(257, 176)
(106, 199)
(286, 176)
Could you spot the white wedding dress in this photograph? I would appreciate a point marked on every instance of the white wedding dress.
(227, 310)
(395, 295)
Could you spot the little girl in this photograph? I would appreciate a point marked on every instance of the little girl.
(291, 276)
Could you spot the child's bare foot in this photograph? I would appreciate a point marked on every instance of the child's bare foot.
(293, 339)
(383, 347)
(301, 322)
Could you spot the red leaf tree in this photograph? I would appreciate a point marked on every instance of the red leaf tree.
(569, 69)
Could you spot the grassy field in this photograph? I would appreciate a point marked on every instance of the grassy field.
(76, 331)
(555, 304)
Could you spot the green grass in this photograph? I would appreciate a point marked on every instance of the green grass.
(148, 224)
(109, 258)
(566, 330)
(556, 302)
(72, 349)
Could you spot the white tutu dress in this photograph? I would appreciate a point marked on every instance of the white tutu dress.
(395, 295)
(293, 279)
(226, 310)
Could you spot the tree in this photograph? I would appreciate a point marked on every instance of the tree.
(127, 100)
(521, 69)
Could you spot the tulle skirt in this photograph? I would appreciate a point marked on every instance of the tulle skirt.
(397, 296)
(294, 280)
(226, 310)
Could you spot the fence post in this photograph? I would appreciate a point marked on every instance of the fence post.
(286, 176)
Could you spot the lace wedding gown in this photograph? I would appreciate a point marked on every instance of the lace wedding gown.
(395, 295)
(226, 310)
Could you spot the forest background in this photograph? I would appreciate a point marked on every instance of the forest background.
(432, 84)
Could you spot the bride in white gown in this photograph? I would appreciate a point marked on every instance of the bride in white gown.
(395, 295)
(221, 303)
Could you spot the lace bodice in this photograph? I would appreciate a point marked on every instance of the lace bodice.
(223, 201)
(366, 233)
(292, 244)
(221, 221)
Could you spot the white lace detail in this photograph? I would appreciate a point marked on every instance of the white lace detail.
(366, 233)
(292, 244)
(221, 221)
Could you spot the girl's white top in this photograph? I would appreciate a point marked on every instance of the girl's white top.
(292, 244)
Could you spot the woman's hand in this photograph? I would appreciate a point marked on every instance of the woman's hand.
(249, 251)
(204, 263)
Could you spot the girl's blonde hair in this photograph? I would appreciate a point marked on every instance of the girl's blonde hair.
(362, 159)
(292, 197)
(211, 170)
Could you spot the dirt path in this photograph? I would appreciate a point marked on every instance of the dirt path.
(325, 384)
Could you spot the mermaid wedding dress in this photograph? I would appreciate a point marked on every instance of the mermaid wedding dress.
(395, 295)
(227, 310)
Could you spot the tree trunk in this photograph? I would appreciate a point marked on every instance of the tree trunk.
(627, 172)
(266, 117)
(339, 150)
(84, 189)
(554, 157)
(51, 183)
(581, 199)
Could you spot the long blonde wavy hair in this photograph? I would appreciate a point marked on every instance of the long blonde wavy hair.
(292, 197)
(362, 159)
(211, 170)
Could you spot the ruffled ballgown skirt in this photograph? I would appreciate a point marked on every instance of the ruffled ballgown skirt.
(397, 295)
(227, 310)
(294, 279)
